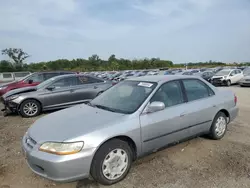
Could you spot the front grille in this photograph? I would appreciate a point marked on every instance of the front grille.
(30, 142)
(216, 79)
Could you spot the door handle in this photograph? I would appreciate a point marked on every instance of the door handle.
(214, 105)
(72, 90)
(183, 114)
(95, 87)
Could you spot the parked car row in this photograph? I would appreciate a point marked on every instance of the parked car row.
(217, 76)
(59, 89)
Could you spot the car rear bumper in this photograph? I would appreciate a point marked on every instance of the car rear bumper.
(233, 113)
(58, 168)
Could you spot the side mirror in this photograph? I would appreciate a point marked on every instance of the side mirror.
(30, 81)
(155, 107)
(50, 88)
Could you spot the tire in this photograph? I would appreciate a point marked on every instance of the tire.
(228, 83)
(217, 131)
(32, 103)
(98, 164)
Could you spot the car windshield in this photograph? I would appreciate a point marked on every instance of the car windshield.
(45, 83)
(222, 73)
(125, 97)
(26, 77)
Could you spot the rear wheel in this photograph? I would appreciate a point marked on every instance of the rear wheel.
(219, 126)
(30, 108)
(112, 162)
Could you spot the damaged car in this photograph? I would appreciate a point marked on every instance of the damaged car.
(55, 93)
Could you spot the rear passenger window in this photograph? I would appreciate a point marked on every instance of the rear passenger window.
(7, 75)
(196, 89)
(88, 80)
(50, 75)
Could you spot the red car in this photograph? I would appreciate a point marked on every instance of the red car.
(31, 80)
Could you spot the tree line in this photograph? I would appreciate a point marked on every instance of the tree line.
(17, 58)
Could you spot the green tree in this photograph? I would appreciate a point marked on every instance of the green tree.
(17, 55)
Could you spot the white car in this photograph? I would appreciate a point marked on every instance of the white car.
(227, 77)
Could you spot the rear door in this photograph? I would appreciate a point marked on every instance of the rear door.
(87, 88)
(62, 95)
(201, 106)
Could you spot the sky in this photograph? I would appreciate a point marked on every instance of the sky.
(177, 30)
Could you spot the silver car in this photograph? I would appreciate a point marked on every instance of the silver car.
(131, 119)
(55, 93)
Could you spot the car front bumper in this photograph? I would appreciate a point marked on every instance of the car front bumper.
(58, 168)
(9, 105)
(244, 83)
(219, 82)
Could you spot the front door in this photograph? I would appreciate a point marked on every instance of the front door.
(167, 126)
(62, 95)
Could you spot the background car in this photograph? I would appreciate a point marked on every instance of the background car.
(227, 77)
(245, 81)
(55, 93)
(132, 119)
(207, 75)
(31, 80)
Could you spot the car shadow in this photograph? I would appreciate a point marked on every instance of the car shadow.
(87, 183)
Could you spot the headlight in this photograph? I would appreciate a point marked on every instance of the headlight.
(12, 97)
(3, 87)
(61, 148)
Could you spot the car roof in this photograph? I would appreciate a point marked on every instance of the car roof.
(161, 78)
(76, 75)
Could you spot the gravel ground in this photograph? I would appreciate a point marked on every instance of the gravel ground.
(196, 163)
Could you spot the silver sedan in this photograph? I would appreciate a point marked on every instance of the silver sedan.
(134, 118)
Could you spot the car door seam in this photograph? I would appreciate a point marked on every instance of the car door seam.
(175, 131)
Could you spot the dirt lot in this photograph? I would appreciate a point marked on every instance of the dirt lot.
(197, 163)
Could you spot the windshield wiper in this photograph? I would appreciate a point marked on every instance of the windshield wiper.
(105, 108)
(90, 104)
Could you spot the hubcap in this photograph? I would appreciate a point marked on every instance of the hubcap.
(30, 109)
(220, 126)
(115, 164)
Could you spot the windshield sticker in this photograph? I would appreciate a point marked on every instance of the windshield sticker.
(145, 84)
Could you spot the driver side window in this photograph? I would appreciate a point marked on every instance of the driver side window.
(233, 73)
(169, 93)
(65, 82)
(35, 78)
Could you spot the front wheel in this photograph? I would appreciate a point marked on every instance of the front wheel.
(112, 162)
(30, 108)
(228, 83)
(219, 126)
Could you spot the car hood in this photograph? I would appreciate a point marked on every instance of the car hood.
(71, 122)
(19, 91)
(215, 76)
(13, 83)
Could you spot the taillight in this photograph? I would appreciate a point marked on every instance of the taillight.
(235, 99)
